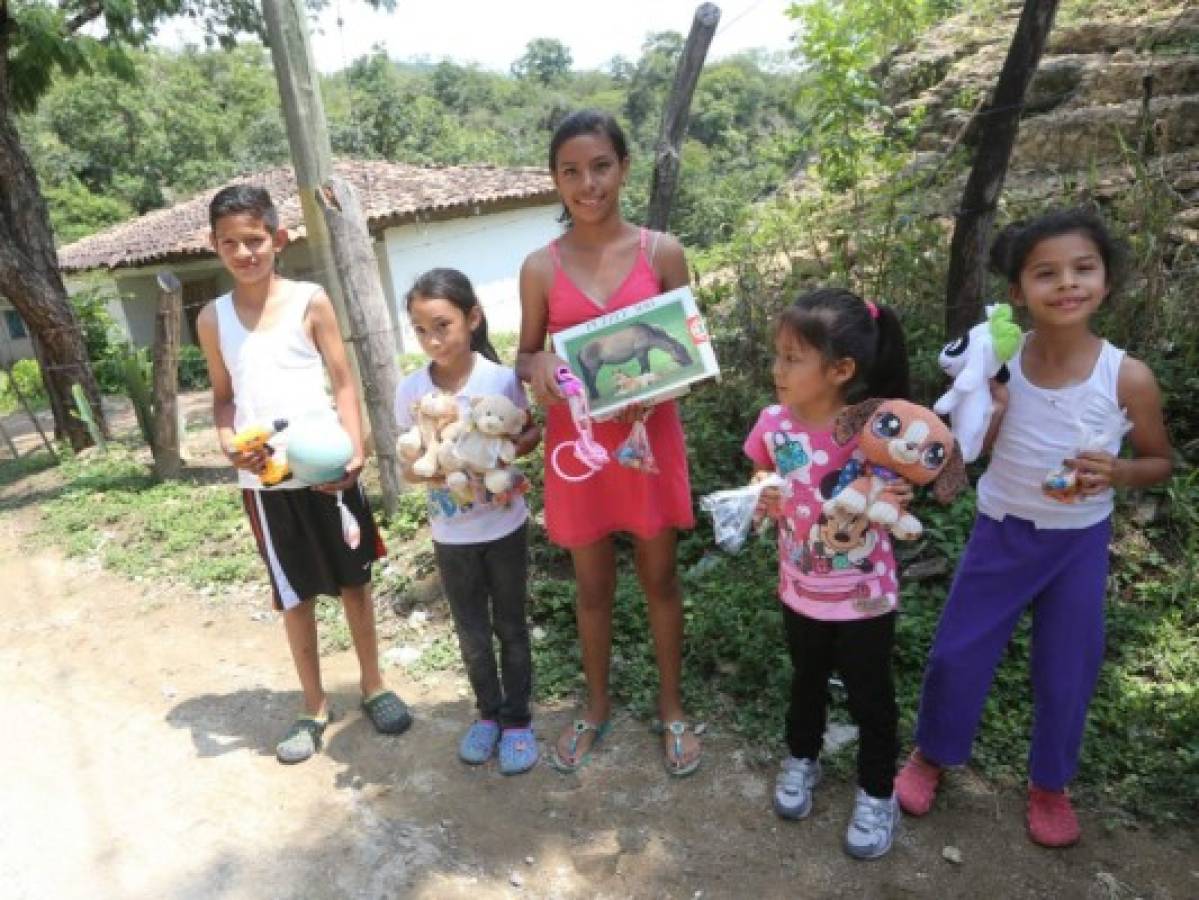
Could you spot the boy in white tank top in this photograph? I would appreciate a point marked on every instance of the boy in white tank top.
(269, 344)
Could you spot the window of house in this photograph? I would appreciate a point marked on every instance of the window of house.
(15, 325)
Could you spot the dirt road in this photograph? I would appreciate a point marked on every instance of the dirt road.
(139, 764)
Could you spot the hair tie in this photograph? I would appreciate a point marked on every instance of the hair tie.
(872, 309)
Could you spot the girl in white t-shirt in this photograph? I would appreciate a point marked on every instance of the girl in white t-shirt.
(481, 546)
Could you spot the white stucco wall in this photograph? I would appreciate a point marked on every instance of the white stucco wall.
(487, 249)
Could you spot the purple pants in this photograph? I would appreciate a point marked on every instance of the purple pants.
(1007, 567)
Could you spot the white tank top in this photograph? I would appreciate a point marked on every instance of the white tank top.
(1040, 430)
(277, 372)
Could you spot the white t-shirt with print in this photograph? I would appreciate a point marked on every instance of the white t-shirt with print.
(483, 519)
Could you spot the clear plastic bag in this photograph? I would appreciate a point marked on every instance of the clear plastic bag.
(733, 511)
(635, 451)
(350, 531)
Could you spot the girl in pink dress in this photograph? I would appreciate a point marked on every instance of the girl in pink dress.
(603, 264)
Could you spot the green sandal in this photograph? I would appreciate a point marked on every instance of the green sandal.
(581, 727)
(302, 740)
(670, 761)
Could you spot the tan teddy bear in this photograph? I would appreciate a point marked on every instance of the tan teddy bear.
(482, 443)
(434, 413)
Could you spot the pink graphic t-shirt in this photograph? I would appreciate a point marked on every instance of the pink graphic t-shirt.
(835, 568)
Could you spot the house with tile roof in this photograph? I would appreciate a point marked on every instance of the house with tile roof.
(481, 219)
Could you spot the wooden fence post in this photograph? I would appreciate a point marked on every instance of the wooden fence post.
(12, 448)
(167, 325)
(674, 117)
(16, 389)
(371, 329)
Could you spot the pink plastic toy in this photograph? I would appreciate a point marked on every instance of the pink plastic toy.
(587, 449)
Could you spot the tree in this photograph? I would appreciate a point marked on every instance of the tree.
(545, 60)
(38, 41)
(651, 78)
(999, 121)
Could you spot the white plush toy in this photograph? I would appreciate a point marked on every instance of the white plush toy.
(435, 414)
(482, 444)
(972, 361)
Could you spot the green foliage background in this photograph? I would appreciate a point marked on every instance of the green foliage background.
(108, 147)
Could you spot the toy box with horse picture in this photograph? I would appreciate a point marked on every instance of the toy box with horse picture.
(645, 353)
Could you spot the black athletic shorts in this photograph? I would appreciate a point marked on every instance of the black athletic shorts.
(300, 538)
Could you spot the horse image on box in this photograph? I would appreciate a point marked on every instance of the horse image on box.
(632, 341)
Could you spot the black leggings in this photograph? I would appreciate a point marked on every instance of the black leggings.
(860, 651)
(487, 586)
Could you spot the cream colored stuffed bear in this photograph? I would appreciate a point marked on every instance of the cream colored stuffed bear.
(435, 413)
(482, 443)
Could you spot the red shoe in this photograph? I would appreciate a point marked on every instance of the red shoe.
(916, 784)
(1051, 818)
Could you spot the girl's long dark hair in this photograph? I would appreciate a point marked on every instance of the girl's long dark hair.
(839, 324)
(452, 285)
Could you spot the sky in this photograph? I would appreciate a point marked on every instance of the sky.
(494, 34)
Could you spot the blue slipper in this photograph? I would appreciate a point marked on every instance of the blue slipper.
(518, 751)
(479, 742)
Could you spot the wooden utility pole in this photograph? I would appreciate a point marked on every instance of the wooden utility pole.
(312, 156)
(674, 117)
(165, 445)
(999, 122)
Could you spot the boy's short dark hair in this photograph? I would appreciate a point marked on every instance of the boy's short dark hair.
(243, 198)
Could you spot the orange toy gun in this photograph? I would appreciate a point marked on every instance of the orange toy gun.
(255, 438)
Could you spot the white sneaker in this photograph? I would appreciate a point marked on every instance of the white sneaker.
(793, 787)
(872, 827)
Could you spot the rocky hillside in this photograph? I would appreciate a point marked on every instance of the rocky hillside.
(1116, 93)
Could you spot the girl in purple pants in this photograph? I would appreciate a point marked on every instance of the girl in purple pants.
(1040, 548)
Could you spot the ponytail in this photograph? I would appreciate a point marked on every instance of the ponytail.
(480, 342)
(889, 376)
(839, 324)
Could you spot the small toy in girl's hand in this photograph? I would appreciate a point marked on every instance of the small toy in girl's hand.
(972, 361)
(733, 511)
(897, 440)
(587, 449)
(1062, 483)
(635, 451)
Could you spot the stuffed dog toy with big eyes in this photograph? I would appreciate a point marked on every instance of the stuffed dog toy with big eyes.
(898, 440)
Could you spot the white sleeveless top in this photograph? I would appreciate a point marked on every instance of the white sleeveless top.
(277, 372)
(1040, 430)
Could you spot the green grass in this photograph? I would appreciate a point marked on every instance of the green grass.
(112, 507)
(14, 470)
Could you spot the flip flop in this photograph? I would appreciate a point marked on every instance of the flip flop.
(677, 729)
(581, 727)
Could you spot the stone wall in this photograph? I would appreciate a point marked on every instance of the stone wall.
(1108, 87)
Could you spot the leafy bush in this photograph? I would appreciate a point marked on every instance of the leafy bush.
(193, 369)
(26, 379)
